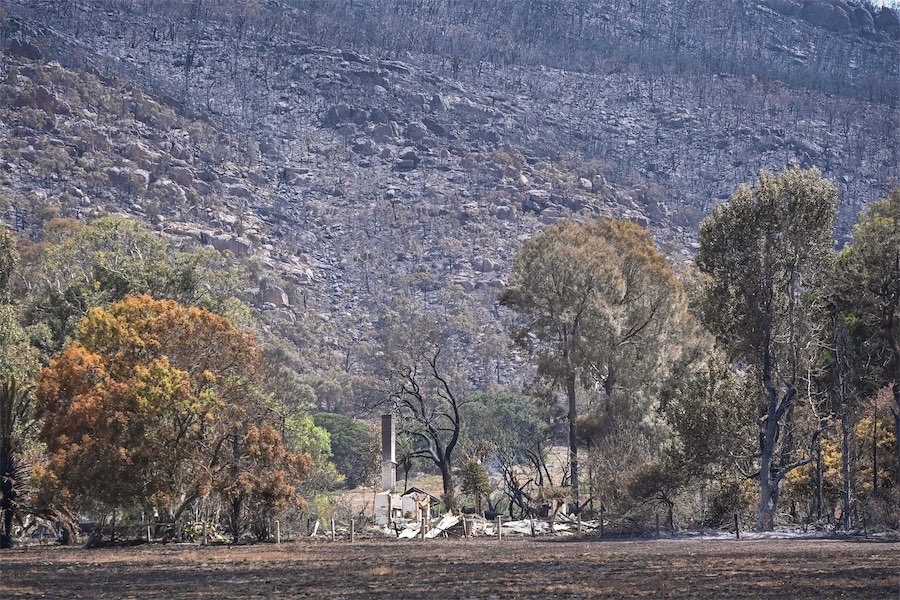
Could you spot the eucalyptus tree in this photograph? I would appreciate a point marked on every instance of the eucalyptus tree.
(868, 290)
(765, 251)
(112, 257)
(598, 304)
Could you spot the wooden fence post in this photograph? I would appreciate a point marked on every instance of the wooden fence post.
(332, 529)
(737, 526)
(465, 531)
(422, 528)
(601, 520)
(579, 524)
(148, 533)
(499, 532)
(277, 531)
(657, 524)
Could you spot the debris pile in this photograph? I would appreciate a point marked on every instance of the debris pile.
(459, 526)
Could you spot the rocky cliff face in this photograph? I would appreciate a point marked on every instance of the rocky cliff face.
(354, 149)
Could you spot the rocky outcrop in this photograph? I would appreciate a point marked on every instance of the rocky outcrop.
(833, 17)
(224, 243)
(841, 17)
(274, 295)
(415, 131)
(344, 113)
(131, 180)
(344, 178)
(407, 160)
(888, 21)
(785, 7)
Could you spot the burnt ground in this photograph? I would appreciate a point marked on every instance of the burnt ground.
(456, 568)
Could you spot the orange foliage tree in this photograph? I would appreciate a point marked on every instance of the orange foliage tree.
(155, 405)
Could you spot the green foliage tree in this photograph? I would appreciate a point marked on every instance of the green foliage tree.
(353, 447)
(113, 257)
(9, 259)
(512, 431)
(303, 436)
(764, 251)
(868, 282)
(712, 416)
(475, 481)
(600, 305)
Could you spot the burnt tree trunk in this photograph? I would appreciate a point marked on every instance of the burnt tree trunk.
(235, 518)
(897, 444)
(447, 484)
(7, 490)
(237, 501)
(7, 511)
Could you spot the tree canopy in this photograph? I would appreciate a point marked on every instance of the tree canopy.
(353, 446)
(599, 304)
(83, 266)
(155, 404)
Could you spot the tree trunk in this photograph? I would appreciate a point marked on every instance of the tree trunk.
(237, 502)
(875, 451)
(235, 519)
(447, 482)
(769, 486)
(819, 497)
(845, 466)
(895, 388)
(896, 410)
(573, 440)
(7, 506)
(6, 536)
(897, 445)
(767, 498)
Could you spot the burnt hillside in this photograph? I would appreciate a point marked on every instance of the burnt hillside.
(352, 148)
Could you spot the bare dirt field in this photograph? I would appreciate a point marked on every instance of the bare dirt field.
(453, 568)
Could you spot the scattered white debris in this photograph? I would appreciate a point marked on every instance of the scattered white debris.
(446, 522)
